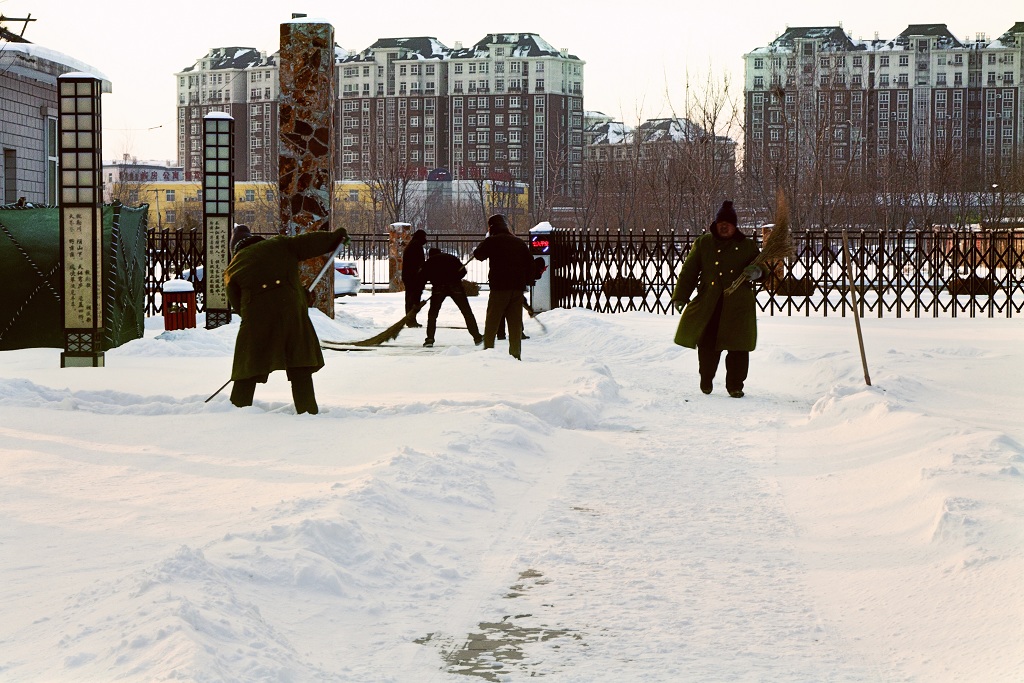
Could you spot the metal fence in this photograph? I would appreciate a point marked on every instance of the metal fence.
(174, 253)
(916, 274)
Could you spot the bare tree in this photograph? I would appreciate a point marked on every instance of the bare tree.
(388, 179)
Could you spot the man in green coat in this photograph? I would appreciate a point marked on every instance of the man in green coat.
(714, 321)
(276, 333)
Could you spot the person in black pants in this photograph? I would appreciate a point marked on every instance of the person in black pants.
(412, 264)
(511, 267)
(444, 272)
(265, 288)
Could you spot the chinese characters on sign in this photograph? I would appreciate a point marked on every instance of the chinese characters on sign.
(216, 261)
(79, 276)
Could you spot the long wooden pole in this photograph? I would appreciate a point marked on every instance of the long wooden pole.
(856, 312)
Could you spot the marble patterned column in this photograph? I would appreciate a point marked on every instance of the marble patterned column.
(306, 130)
(399, 236)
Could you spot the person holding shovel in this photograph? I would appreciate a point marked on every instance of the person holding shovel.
(264, 287)
(714, 321)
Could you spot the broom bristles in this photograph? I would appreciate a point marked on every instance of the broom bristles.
(778, 246)
(393, 331)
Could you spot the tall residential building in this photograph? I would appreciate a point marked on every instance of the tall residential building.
(242, 82)
(508, 108)
(816, 93)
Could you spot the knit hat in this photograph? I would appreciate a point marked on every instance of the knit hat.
(419, 237)
(498, 224)
(434, 251)
(726, 213)
(241, 238)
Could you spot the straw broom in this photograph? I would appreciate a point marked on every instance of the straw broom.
(393, 331)
(778, 246)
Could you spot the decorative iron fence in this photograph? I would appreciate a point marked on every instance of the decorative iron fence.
(172, 253)
(169, 254)
(927, 273)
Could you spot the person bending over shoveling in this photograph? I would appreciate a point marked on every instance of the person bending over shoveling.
(444, 272)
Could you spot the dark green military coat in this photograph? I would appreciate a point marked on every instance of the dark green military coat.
(264, 288)
(710, 267)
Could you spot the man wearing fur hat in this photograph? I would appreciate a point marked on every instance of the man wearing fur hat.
(510, 272)
(713, 321)
(264, 287)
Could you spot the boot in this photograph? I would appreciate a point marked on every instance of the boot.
(242, 391)
(303, 395)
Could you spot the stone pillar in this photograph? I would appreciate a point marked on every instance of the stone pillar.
(218, 212)
(399, 236)
(306, 130)
(81, 218)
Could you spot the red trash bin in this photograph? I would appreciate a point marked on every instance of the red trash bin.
(179, 301)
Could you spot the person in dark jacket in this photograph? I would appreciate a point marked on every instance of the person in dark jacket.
(263, 286)
(412, 264)
(713, 321)
(444, 272)
(510, 271)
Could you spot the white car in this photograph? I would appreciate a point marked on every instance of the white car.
(346, 278)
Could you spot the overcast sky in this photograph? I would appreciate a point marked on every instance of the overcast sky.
(638, 54)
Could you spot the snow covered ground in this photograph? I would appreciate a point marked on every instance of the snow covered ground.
(584, 515)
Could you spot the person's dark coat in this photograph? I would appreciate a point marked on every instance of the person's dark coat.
(413, 260)
(511, 265)
(711, 266)
(443, 269)
(264, 287)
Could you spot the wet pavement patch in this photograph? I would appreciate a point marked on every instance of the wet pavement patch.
(498, 648)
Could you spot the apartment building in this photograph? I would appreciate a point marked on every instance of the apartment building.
(508, 108)
(817, 93)
(241, 82)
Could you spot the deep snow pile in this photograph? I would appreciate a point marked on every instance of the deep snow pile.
(585, 515)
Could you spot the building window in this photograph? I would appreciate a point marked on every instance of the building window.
(51, 161)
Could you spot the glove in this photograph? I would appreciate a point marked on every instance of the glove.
(680, 305)
(752, 272)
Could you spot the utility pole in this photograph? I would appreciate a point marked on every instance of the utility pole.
(24, 21)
